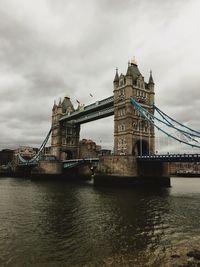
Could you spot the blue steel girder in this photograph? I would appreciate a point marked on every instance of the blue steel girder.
(73, 163)
(171, 158)
(99, 109)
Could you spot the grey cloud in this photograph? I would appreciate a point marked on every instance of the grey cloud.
(49, 49)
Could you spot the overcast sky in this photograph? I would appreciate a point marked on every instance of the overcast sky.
(50, 49)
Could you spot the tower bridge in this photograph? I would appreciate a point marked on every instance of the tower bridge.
(66, 121)
(134, 160)
(133, 135)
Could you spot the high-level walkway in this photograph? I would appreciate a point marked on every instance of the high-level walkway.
(98, 110)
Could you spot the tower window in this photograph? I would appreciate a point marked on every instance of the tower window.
(64, 141)
(121, 127)
(121, 112)
(68, 130)
(121, 82)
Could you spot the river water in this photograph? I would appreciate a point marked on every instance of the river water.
(65, 224)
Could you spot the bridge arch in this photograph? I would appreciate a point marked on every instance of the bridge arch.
(68, 154)
(141, 148)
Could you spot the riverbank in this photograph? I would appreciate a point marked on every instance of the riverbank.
(184, 254)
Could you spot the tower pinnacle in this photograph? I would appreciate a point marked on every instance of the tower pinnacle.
(151, 78)
(116, 79)
(133, 61)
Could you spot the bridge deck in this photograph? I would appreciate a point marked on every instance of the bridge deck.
(73, 163)
(171, 158)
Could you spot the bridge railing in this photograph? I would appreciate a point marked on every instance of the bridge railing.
(77, 160)
(171, 158)
(73, 163)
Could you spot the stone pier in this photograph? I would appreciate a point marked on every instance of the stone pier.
(47, 169)
(126, 170)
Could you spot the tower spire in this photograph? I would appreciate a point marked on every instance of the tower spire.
(60, 103)
(54, 105)
(133, 61)
(116, 79)
(128, 73)
(151, 78)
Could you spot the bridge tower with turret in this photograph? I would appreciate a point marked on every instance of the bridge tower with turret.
(133, 135)
(65, 135)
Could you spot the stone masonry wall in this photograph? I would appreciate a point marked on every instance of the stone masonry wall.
(50, 167)
(118, 166)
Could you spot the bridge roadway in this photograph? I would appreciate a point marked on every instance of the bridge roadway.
(72, 163)
(97, 110)
(171, 158)
(162, 158)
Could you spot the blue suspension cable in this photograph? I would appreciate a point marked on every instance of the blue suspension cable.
(187, 135)
(144, 112)
(164, 122)
(184, 126)
(39, 151)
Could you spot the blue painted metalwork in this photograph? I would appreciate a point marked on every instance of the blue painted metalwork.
(73, 163)
(182, 125)
(151, 118)
(34, 160)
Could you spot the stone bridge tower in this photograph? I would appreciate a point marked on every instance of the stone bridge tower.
(132, 134)
(65, 135)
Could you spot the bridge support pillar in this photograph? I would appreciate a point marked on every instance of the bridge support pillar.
(126, 170)
(47, 169)
(156, 172)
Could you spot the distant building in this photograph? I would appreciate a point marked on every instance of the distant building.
(190, 167)
(88, 149)
(26, 152)
(105, 152)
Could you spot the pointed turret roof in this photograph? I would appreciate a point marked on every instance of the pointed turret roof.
(116, 79)
(128, 73)
(67, 104)
(133, 70)
(151, 78)
(54, 105)
(60, 103)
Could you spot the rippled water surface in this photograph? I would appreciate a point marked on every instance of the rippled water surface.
(65, 224)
